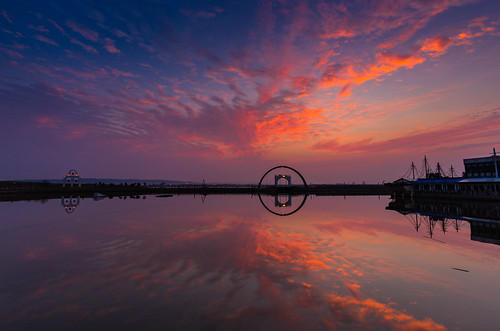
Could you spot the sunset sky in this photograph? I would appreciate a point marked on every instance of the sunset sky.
(225, 90)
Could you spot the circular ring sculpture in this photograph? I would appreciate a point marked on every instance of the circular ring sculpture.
(286, 167)
(289, 202)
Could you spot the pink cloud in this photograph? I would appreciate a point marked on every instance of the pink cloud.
(47, 122)
(110, 46)
(12, 53)
(39, 28)
(46, 40)
(83, 31)
(273, 83)
(6, 16)
(338, 20)
(58, 27)
(198, 14)
(303, 85)
(88, 48)
(89, 75)
(341, 225)
(120, 73)
(15, 34)
(324, 58)
(120, 34)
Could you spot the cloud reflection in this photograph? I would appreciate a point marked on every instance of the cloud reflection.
(196, 272)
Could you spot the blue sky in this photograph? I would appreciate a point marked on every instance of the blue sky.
(190, 90)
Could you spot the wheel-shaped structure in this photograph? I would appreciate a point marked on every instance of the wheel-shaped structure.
(280, 192)
(286, 177)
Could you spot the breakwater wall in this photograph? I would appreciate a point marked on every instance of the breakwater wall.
(14, 191)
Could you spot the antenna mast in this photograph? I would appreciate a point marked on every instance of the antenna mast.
(426, 167)
(495, 161)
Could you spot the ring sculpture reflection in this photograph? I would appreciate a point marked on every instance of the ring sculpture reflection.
(277, 190)
(70, 203)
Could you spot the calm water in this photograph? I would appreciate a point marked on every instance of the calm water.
(227, 263)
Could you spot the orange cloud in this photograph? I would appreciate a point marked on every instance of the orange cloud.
(436, 46)
(384, 63)
(448, 134)
(339, 33)
(345, 74)
(476, 28)
(362, 312)
(295, 125)
(345, 91)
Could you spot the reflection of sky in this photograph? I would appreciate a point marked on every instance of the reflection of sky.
(229, 263)
(190, 89)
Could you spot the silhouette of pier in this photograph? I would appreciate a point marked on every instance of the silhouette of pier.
(276, 181)
(15, 191)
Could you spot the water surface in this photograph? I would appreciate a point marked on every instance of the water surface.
(227, 263)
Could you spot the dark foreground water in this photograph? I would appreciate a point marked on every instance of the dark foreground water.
(227, 263)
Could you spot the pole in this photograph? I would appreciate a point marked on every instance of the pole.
(425, 166)
(495, 161)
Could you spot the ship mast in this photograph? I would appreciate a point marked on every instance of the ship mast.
(495, 161)
(426, 167)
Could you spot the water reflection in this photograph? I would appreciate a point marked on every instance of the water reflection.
(70, 203)
(228, 264)
(283, 203)
(439, 215)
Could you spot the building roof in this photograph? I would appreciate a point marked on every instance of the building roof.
(481, 180)
(459, 180)
(481, 159)
(439, 180)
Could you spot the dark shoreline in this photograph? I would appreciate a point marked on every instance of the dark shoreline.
(17, 191)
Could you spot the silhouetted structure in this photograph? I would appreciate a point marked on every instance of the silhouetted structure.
(480, 181)
(286, 177)
(277, 179)
(72, 178)
(482, 166)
